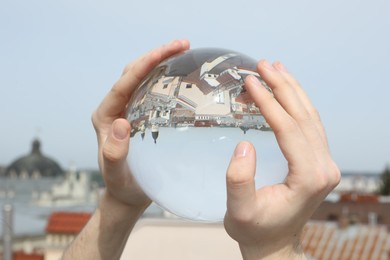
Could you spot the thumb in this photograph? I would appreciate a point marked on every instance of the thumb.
(241, 190)
(115, 151)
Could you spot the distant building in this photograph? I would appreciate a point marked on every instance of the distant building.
(26, 247)
(356, 198)
(34, 165)
(356, 208)
(36, 184)
(359, 183)
(2, 170)
(75, 189)
(330, 240)
(28, 256)
(61, 229)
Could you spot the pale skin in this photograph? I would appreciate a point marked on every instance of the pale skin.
(266, 223)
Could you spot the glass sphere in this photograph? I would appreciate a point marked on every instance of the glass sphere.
(186, 118)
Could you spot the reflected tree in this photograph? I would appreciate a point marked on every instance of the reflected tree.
(384, 188)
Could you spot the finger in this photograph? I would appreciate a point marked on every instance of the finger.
(287, 96)
(241, 191)
(288, 133)
(114, 103)
(114, 153)
(304, 99)
(284, 93)
(299, 141)
(117, 176)
(166, 50)
(295, 84)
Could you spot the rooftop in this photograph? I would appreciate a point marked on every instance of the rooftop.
(177, 239)
(35, 164)
(25, 256)
(67, 222)
(326, 240)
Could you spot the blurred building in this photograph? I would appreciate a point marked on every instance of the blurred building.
(35, 185)
(2, 170)
(51, 208)
(34, 165)
(352, 223)
(357, 208)
(358, 183)
(28, 256)
(75, 189)
(61, 229)
(339, 241)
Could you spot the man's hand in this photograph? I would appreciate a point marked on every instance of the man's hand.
(122, 203)
(113, 131)
(267, 223)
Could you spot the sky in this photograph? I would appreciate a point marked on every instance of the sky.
(58, 59)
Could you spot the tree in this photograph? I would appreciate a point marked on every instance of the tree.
(384, 188)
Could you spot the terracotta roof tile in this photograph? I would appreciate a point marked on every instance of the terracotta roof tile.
(362, 198)
(325, 240)
(24, 256)
(67, 222)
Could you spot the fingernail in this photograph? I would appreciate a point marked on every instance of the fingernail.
(253, 79)
(119, 131)
(267, 65)
(242, 150)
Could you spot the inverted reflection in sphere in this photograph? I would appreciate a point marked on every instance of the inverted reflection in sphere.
(187, 116)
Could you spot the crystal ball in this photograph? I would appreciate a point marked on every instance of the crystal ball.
(186, 117)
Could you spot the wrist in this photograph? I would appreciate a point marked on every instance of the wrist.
(105, 235)
(114, 221)
(117, 210)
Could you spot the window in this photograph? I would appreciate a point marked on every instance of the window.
(165, 86)
(189, 86)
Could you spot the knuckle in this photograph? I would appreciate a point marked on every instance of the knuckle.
(242, 217)
(322, 180)
(305, 118)
(240, 173)
(235, 179)
(316, 114)
(305, 115)
(94, 119)
(326, 178)
(117, 92)
(96, 122)
(335, 175)
(319, 181)
(127, 68)
(111, 154)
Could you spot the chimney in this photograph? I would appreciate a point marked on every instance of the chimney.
(372, 218)
(7, 231)
(344, 218)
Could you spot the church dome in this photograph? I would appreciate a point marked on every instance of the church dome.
(34, 165)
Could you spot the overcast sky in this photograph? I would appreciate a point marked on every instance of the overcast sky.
(59, 58)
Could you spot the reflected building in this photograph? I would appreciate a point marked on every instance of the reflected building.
(185, 94)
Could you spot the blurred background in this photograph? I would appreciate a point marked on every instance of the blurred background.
(58, 59)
